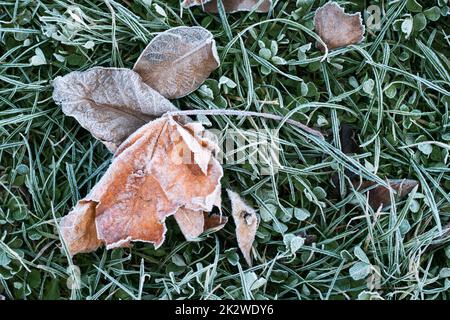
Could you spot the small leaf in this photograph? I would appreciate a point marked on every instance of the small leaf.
(38, 59)
(433, 14)
(89, 44)
(361, 255)
(296, 244)
(177, 61)
(360, 270)
(413, 6)
(265, 53)
(246, 221)
(350, 30)
(267, 212)
(425, 148)
(159, 10)
(419, 22)
(253, 282)
(407, 26)
(97, 99)
(301, 214)
(228, 82)
(368, 86)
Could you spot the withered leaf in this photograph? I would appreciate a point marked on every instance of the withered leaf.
(247, 222)
(380, 196)
(194, 223)
(336, 28)
(110, 103)
(162, 167)
(176, 62)
(349, 144)
(230, 6)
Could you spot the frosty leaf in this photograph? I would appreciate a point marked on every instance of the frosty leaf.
(193, 223)
(336, 28)
(161, 168)
(178, 61)
(110, 103)
(246, 221)
(380, 196)
(214, 222)
(78, 228)
(230, 6)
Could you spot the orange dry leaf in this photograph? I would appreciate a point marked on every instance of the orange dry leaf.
(247, 222)
(230, 6)
(336, 28)
(162, 168)
(193, 223)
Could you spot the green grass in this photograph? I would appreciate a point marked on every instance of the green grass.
(394, 90)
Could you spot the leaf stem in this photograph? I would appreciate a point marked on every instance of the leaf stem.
(223, 112)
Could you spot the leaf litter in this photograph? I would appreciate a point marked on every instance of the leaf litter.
(149, 179)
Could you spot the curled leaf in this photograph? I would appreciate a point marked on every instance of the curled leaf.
(230, 6)
(158, 170)
(380, 196)
(193, 223)
(247, 222)
(110, 103)
(336, 28)
(176, 62)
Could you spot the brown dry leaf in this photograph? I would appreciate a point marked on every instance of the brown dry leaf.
(214, 222)
(336, 28)
(380, 196)
(247, 222)
(161, 168)
(230, 6)
(193, 223)
(178, 61)
(110, 103)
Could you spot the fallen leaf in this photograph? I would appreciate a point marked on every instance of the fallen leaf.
(176, 62)
(214, 222)
(79, 230)
(349, 144)
(440, 240)
(110, 103)
(193, 223)
(380, 196)
(246, 221)
(230, 6)
(163, 167)
(336, 28)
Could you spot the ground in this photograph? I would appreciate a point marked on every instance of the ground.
(393, 90)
